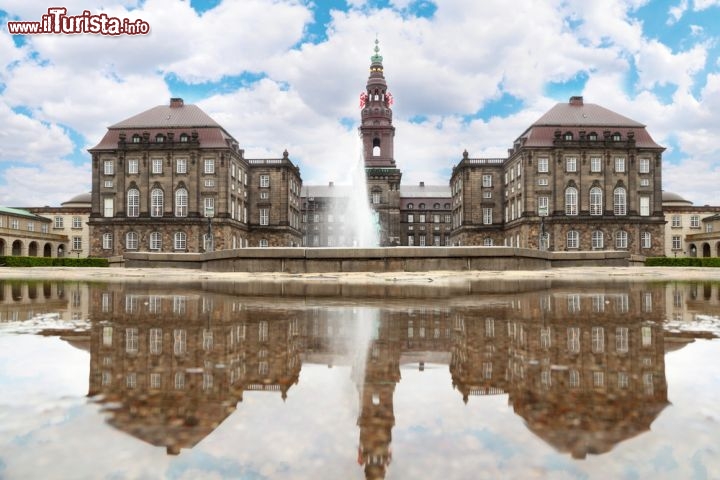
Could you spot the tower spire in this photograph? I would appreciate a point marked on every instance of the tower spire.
(377, 58)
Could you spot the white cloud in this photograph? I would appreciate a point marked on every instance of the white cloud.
(27, 140)
(50, 182)
(677, 12)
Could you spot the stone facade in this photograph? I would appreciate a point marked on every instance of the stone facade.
(171, 179)
(690, 231)
(71, 220)
(25, 234)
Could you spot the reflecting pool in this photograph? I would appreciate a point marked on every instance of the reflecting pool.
(540, 379)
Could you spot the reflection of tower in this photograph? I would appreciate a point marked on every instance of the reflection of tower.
(377, 417)
(378, 133)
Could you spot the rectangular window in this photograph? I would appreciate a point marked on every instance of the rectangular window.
(598, 339)
(543, 182)
(619, 164)
(77, 243)
(209, 203)
(644, 165)
(487, 181)
(695, 221)
(108, 183)
(644, 182)
(156, 341)
(108, 207)
(487, 194)
(595, 164)
(264, 181)
(644, 205)
(621, 339)
(422, 240)
(133, 166)
(676, 244)
(108, 167)
(157, 166)
(421, 218)
(131, 340)
(571, 164)
(209, 182)
(572, 239)
(487, 216)
(209, 166)
(107, 239)
(410, 218)
(59, 222)
(573, 339)
(181, 165)
(15, 224)
(542, 165)
(106, 331)
(264, 216)
(676, 221)
(411, 240)
(179, 341)
(77, 222)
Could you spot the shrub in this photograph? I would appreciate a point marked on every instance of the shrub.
(52, 262)
(682, 262)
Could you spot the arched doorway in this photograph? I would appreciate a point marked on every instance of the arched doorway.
(33, 249)
(2, 247)
(47, 250)
(706, 250)
(693, 250)
(17, 248)
(61, 251)
(717, 249)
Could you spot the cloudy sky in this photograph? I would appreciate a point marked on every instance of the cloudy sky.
(287, 75)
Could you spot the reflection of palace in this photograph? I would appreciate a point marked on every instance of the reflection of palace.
(585, 370)
(21, 301)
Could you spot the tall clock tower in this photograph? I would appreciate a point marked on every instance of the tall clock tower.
(378, 135)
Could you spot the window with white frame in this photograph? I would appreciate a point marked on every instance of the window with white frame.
(156, 341)
(108, 207)
(619, 164)
(573, 239)
(133, 166)
(155, 241)
(421, 218)
(644, 205)
(107, 241)
(596, 201)
(209, 206)
(59, 222)
(181, 165)
(543, 203)
(571, 201)
(621, 239)
(133, 202)
(598, 240)
(264, 181)
(644, 182)
(179, 341)
(676, 242)
(621, 339)
(156, 202)
(131, 241)
(131, 340)
(15, 224)
(543, 182)
(410, 218)
(180, 241)
(411, 240)
(487, 181)
(77, 222)
(695, 221)
(543, 165)
(264, 216)
(487, 216)
(573, 339)
(644, 165)
(619, 201)
(645, 240)
(77, 242)
(375, 198)
(157, 166)
(571, 164)
(181, 202)
(598, 339)
(676, 221)
(488, 242)
(209, 166)
(595, 164)
(487, 194)
(108, 167)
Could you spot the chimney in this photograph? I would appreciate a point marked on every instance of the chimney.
(576, 101)
(422, 184)
(331, 184)
(176, 102)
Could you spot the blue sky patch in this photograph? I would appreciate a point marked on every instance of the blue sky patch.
(194, 92)
(562, 90)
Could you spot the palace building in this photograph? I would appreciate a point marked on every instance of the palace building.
(581, 177)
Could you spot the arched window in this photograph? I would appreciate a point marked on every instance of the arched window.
(573, 239)
(421, 206)
(159, 138)
(571, 201)
(133, 202)
(620, 201)
(155, 241)
(131, 241)
(616, 137)
(598, 240)
(596, 202)
(184, 137)
(181, 202)
(375, 197)
(376, 147)
(568, 136)
(180, 241)
(410, 206)
(592, 136)
(156, 203)
(436, 206)
(136, 138)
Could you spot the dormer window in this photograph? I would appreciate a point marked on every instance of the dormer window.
(410, 206)
(136, 138)
(592, 136)
(616, 137)
(568, 136)
(160, 138)
(184, 137)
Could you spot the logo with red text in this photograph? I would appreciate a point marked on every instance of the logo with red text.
(57, 21)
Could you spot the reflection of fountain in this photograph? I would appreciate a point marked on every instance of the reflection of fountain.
(359, 220)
